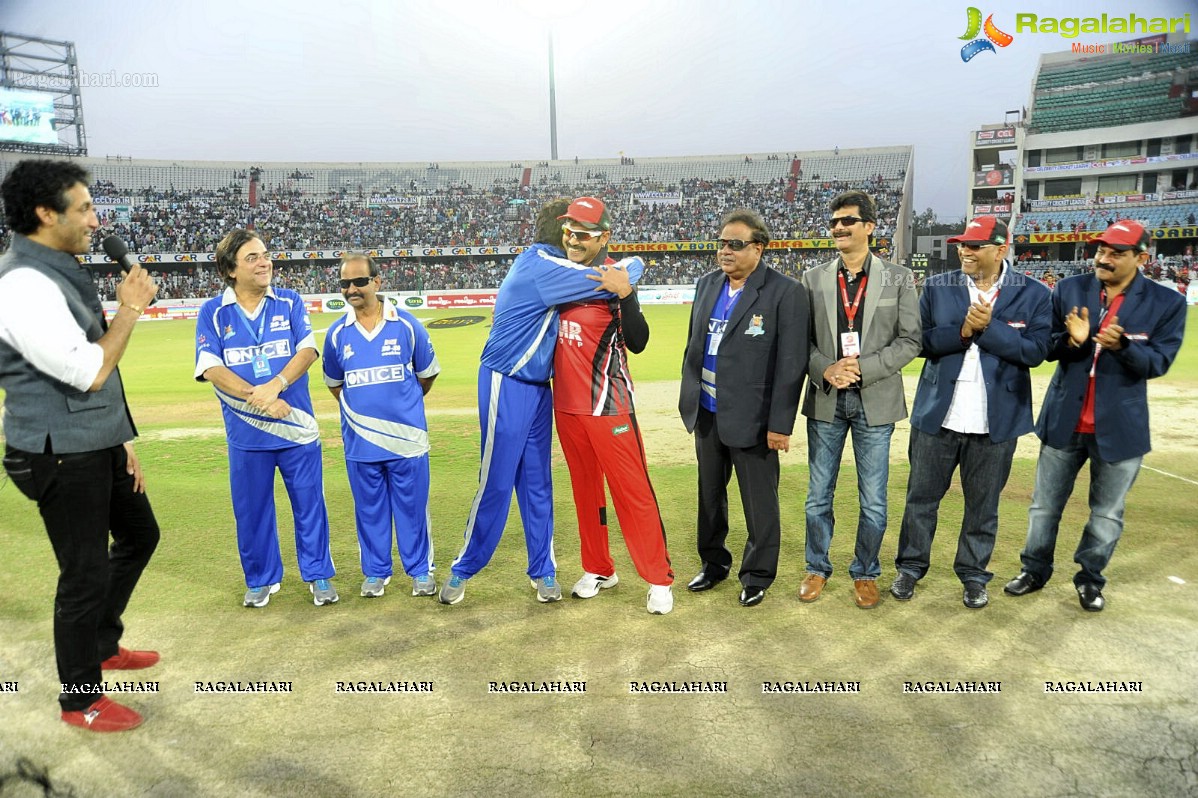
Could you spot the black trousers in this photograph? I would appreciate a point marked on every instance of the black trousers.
(82, 497)
(757, 476)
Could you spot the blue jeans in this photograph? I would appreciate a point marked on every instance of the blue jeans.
(871, 451)
(1055, 475)
(985, 467)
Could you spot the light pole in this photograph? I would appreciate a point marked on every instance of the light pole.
(552, 104)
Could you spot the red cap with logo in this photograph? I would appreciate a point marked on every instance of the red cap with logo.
(983, 230)
(1126, 234)
(589, 212)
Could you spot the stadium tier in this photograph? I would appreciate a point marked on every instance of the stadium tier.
(1110, 90)
(186, 207)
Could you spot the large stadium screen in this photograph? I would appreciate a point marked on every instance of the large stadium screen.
(27, 117)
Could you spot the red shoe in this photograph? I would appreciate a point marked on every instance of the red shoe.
(104, 716)
(126, 660)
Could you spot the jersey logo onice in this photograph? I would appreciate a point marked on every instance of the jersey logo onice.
(240, 355)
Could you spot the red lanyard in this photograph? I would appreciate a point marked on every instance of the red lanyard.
(850, 312)
(1104, 321)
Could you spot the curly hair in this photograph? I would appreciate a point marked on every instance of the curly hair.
(34, 184)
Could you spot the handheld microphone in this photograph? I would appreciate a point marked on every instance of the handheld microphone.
(116, 249)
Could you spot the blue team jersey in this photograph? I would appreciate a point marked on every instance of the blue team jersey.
(226, 336)
(524, 329)
(382, 405)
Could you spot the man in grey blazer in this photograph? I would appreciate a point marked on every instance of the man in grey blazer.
(748, 335)
(865, 328)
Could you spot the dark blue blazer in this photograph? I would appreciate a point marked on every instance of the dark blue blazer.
(1153, 318)
(1016, 340)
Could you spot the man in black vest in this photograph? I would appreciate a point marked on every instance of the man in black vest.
(68, 428)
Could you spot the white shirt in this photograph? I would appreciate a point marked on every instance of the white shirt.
(35, 321)
(969, 410)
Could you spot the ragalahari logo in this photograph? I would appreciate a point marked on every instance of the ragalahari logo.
(993, 35)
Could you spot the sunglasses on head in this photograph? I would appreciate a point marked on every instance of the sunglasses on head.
(359, 282)
(581, 235)
(847, 221)
(734, 244)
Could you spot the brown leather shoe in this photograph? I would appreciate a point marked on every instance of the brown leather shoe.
(813, 585)
(865, 593)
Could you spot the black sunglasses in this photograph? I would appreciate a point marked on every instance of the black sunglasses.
(847, 221)
(360, 282)
(734, 244)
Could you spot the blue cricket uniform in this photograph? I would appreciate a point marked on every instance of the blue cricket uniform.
(256, 348)
(385, 434)
(515, 406)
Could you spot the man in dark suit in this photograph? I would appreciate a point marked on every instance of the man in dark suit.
(1113, 330)
(984, 328)
(865, 322)
(748, 334)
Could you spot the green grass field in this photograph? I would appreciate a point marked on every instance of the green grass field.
(461, 739)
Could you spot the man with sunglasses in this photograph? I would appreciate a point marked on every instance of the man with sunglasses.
(984, 328)
(748, 336)
(596, 419)
(515, 406)
(865, 323)
(254, 343)
(379, 364)
(1112, 330)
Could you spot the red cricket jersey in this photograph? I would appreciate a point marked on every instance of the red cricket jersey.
(590, 365)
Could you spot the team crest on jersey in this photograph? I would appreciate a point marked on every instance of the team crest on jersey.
(347, 352)
(279, 323)
(391, 347)
(569, 332)
(228, 330)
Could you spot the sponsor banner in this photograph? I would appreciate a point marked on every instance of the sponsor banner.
(1002, 136)
(1115, 199)
(1063, 202)
(657, 197)
(979, 210)
(709, 246)
(666, 294)
(1187, 231)
(1176, 195)
(1111, 163)
(402, 202)
(484, 299)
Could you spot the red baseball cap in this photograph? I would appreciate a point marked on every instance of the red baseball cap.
(589, 212)
(983, 230)
(1126, 234)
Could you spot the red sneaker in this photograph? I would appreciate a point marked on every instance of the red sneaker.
(126, 660)
(104, 716)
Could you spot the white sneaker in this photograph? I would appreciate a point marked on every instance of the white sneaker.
(590, 584)
(661, 599)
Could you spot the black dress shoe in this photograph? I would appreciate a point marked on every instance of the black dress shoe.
(751, 596)
(1023, 584)
(705, 581)
(1091, 598)
(974, 596)
(903, 587)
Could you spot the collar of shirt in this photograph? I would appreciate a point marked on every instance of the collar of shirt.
(229, 296)
(390, 312)
(849, 277)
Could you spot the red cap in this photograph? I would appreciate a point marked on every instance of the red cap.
(983, 230)
(589, 212)
(1124, 235)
